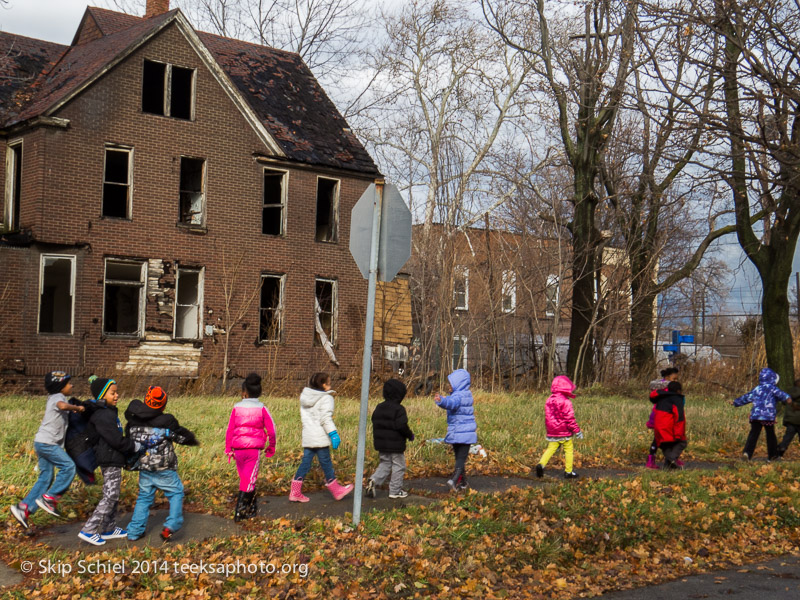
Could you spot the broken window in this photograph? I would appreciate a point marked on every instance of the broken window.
(326, 311)
(167, 90)
(509, 292)
(56, 293)
(459, 352)
(123, 297)
(327, 209)
(461, 288)
(117, 182)
(192, 197)
(272, 216)
(188, 300)
(270, 326)
(13, 186)
(551, 294)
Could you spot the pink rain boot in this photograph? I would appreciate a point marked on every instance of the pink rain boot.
(337, 490)
(651, 462)
(296, 495)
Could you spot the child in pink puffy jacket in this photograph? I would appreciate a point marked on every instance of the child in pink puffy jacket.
(561, 425)
(248, 429)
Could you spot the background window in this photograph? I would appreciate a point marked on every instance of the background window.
(327, 209)
(270, 326)
(13, 186)
(188, 300)
(326, 309)
(116, 183)
(123, 298)
(461, 288)
(459, 352)
(192, 196)
(167, 90)
(56, 294)
(272, 217)
(551, 293)
(509, 292)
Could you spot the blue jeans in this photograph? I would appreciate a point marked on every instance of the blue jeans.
(51, 457)
(150, 481)
(324, 457)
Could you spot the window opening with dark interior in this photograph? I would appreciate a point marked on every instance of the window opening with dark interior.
(191, 192)
(327, 200)
(116, 183)
(56, 298)
(272, 216)
(124, 287)
(271, 308)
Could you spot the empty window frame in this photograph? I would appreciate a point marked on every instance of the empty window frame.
(326, 300)
(552, 296)
(123, 297)
(461, 288)
(13, 186)
(192, 191)
(459, 352)
(188, 303)
(327, 209)
(117, 182)
(508, 293)
(270, 313)
(273, 216)
(167, 90)
(56, 294)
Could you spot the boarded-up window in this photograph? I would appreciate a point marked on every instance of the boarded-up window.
(273, 214)
(56, 294)
(123, 306)
(167, 90)
(192, 196)
(326, 300)
(117, 183)
(271, 308)
(13, 186)
(188, 300)
(327, 209)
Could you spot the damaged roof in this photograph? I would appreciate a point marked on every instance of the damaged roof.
(279, 88)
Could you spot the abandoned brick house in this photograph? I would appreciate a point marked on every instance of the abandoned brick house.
(165, 187)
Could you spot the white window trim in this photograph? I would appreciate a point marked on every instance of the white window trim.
(335, 219)
(509, 289)
(118, 148)
(462, 271)
(463, 362)
(71, 292)
(284, 198)
(142, 297)
(200, 291)
(204, 179)
(167, 100)
(281, 277)
(8, 223)
(335, 300)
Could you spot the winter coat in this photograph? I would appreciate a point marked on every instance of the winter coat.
(763, 397)
(390, 428)
(670, 420)
(559, 416)
(111, 448)
(461, 426)
(249, 427)
(316, 414)
(77, 442)
(791, 414)
(143, 423)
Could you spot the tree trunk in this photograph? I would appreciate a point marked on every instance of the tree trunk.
(775, 277)
(642, 339)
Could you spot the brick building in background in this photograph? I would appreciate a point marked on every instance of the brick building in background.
(170, 193)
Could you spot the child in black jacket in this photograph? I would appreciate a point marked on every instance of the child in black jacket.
(390, 431)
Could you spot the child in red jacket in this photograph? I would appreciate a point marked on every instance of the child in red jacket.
(670, 424)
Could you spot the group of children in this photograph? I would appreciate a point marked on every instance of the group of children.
(146, 443)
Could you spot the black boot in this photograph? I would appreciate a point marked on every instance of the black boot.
(252, 505)
(241, 507)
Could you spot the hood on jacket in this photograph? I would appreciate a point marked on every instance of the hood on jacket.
(309, 397)
(394, 390)
(563, 385)
(141, 411)
(459, 380)
(767, 376)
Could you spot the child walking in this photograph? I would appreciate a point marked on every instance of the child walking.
(390, 431)
(559, 418)
(112, 449)
(49, 446)
(670, 423)
(249, 428)
(667, 375)
(762, 415)
(791, 418)
(319, 435)
(148, 424)
(462, 431)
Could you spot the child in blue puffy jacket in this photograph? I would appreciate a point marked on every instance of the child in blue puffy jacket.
(763, 413)
(462, 431)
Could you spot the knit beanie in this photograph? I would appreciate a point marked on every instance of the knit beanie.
(55, 381)
(99, 386)
(394, 389)
(155, 397)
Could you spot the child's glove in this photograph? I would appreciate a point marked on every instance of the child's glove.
(335, 439)
(579, 435)
(269, 452)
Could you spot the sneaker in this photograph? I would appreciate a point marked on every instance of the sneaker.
(746, 456)
(539, 471)
(166, 534)
(114, 534)
(48, 504)
(570, 475)
(370, 491)
(92, 538)
(452, 485)
(673, 466)
(680, 463)
(400, 494)
(21, 514)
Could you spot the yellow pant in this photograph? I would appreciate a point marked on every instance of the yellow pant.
(569, 451)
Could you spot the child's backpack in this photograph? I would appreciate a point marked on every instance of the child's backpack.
(79, 443)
